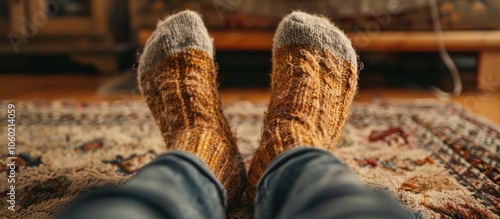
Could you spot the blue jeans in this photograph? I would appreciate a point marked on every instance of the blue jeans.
(300, 183)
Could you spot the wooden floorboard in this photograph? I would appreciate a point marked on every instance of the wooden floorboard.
(86, 88)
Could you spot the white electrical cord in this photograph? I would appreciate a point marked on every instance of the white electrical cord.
(457, 81)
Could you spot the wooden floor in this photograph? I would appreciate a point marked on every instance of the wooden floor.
(87, 88)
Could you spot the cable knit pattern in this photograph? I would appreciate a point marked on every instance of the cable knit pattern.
(313, 83)
(177, 76)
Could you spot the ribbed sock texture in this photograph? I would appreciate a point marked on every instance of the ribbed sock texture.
(177, 76)
(313, 83)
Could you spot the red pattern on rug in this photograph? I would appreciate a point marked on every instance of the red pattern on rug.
(440, 161)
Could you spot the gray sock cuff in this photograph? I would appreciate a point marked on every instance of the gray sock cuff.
(300, 28)
(181, 31)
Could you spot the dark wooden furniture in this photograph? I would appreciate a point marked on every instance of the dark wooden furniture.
(92, 32)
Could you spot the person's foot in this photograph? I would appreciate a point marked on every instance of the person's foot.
(177, 76)
(313, 83)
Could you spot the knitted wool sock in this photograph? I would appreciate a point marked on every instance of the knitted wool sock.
(313, 83)
(177, 76)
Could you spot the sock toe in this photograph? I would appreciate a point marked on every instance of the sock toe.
(179, 32)
(184, 30)
(299, 28)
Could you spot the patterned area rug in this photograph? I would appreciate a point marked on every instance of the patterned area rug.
(440, 161)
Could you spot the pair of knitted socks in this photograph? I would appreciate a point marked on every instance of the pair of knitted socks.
(313, 82)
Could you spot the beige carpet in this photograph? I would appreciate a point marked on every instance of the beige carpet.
(440, 161)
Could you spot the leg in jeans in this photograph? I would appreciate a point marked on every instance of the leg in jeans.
(175, 185)
(309, 183)
(177, 77)
(313, 83)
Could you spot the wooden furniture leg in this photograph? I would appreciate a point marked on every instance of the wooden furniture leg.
(488, 74)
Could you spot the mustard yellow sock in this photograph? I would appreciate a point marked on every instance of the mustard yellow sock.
(313, 82)
(177, 77)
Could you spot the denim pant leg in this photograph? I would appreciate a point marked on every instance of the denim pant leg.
(311, 183)
(175, 185)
